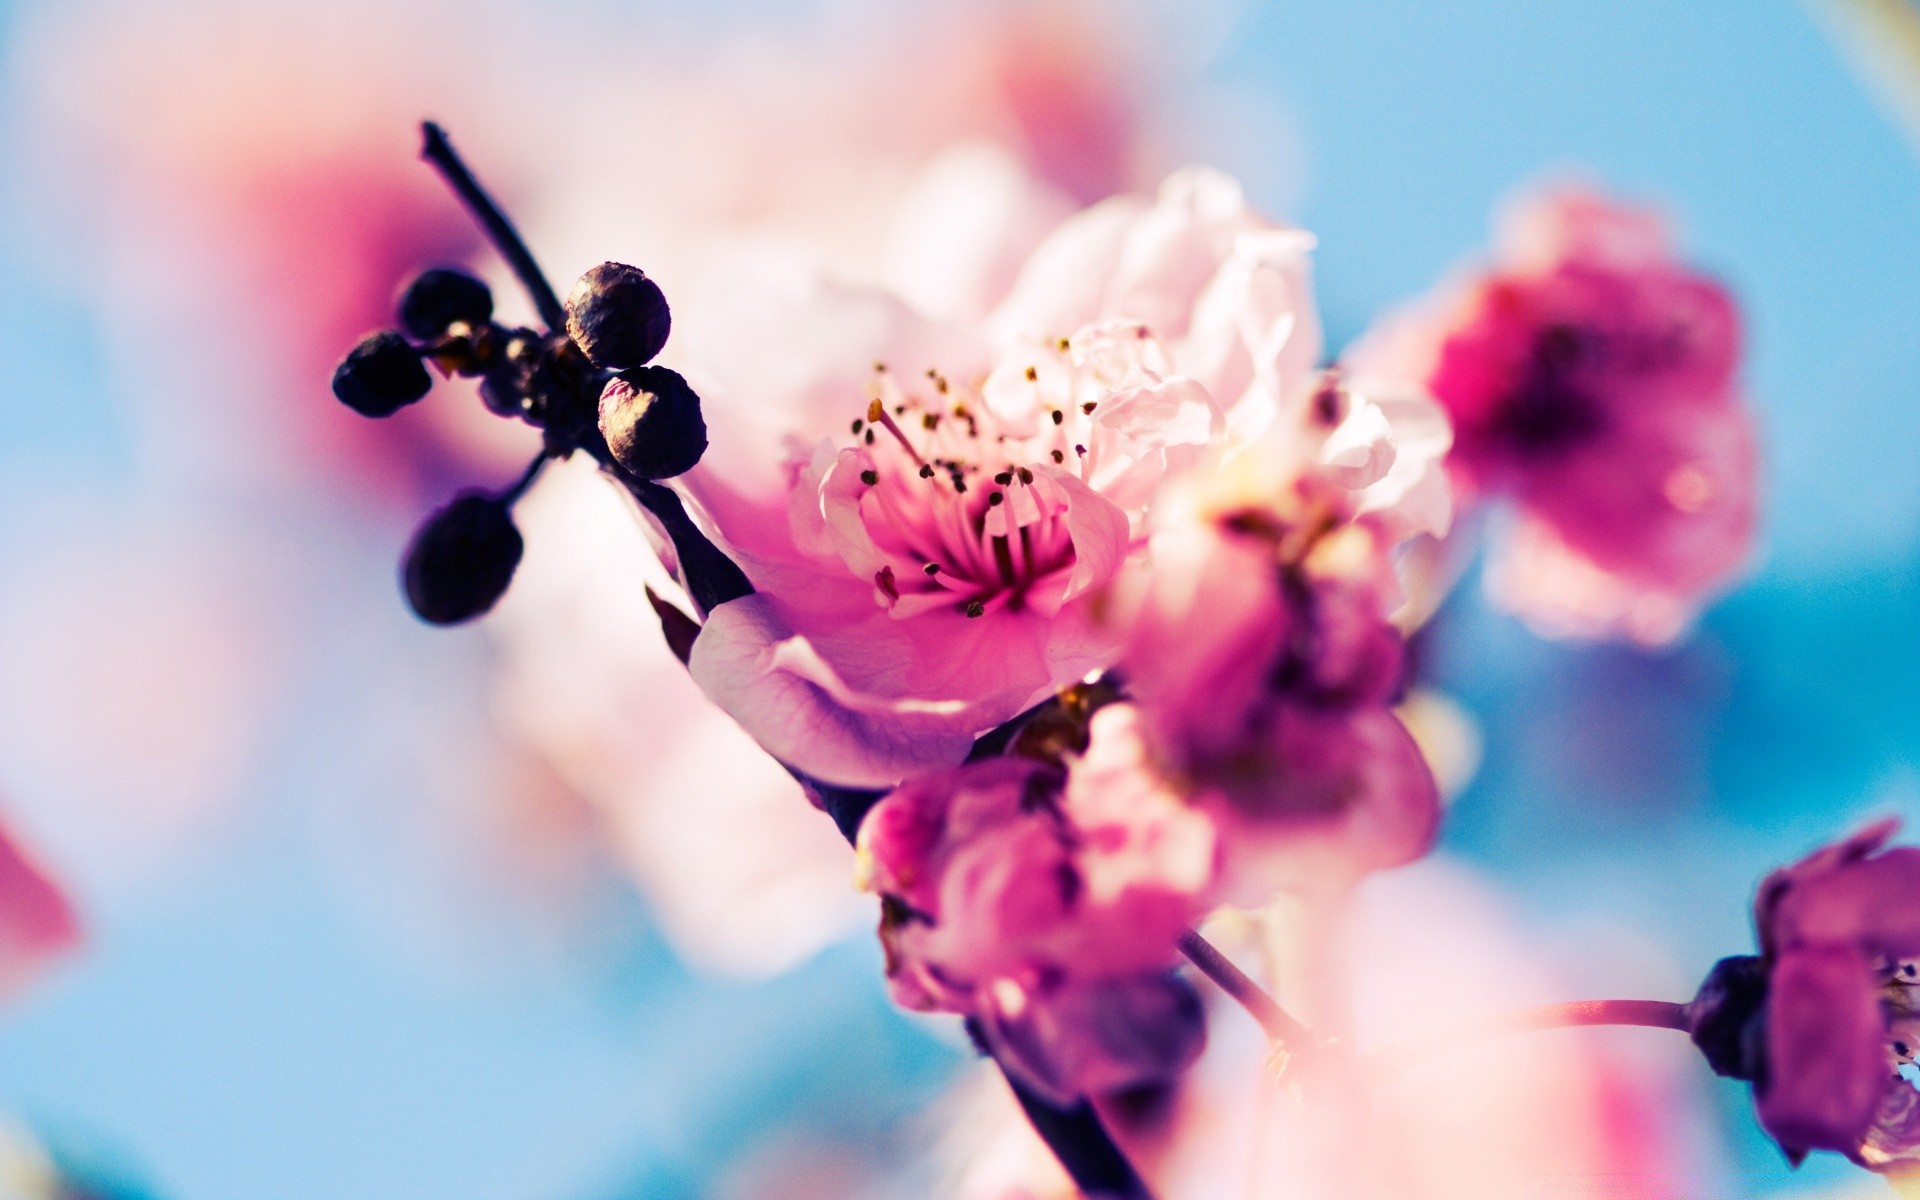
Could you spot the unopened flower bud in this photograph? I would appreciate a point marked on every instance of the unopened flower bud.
(381, 376)
(618, 316)
(1727, 1019)
(439, 297)
(462, 559)
(651, 420)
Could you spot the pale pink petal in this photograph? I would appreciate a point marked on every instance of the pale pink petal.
(1064, 285)
(1413, 495)
(1101, 536)
(1388, 816)
(795, 705)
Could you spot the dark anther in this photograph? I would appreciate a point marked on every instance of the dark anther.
(870, 478)
(976, 609)
(462, 559)
(1058, 417)
(438, 298)
(931, 568)
(1003, 478)
(996, 499)
(381, 376)
(1025, 475)
(618, 316)
(926, 470)
(651, 420)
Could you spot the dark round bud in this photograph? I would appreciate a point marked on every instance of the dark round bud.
(462, 559)
(618, 316)
(381, 376)
(1728, 1018)
(651, 420)
(500, 391)
(438, 298)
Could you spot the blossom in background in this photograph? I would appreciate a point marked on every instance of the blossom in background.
(36, 921)
(952, 497)
(1823, 1019)
(1043, 899)
(1592, 381)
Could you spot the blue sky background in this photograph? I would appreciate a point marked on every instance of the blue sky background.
(244, 1030)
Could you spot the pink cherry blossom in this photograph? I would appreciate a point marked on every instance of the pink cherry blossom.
(1592, 381)
(1045, 902)
(952, 497)
(1259, 649)
(36, 921)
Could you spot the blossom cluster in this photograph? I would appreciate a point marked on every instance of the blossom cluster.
(1135, 470)
(1084, 608)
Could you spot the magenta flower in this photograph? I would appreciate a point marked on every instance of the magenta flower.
(1823, 1019)
(1265, 667)
(951, 500)
(1591, 380)
(1044, 901)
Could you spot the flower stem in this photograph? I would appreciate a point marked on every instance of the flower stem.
(1648, 1014)
(1280, 1025)
(1083, 1146)
(519, 486)
(437, 150)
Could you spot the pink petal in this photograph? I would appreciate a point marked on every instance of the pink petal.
(1100, 532)
(1827, 1063)
(36, 921)
(779, 688)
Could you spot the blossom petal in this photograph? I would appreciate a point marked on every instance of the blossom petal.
(1826, 1050)
(1100, 532)
(36, 922)
(783, 692)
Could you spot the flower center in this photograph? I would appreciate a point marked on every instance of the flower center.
(967, 508)
(1550, 411)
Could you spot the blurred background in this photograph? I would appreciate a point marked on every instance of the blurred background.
(377, 910)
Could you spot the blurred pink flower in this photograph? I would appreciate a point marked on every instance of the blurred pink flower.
(1258, 646)
(948, 500)
(1592, 380)
(36, 921)
(1045, 901)
(1841, 1007)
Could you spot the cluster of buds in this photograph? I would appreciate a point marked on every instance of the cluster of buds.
(587, 388)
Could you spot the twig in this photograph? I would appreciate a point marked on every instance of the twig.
(1280, 1025)
(1648, 1014)
(438, 151)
